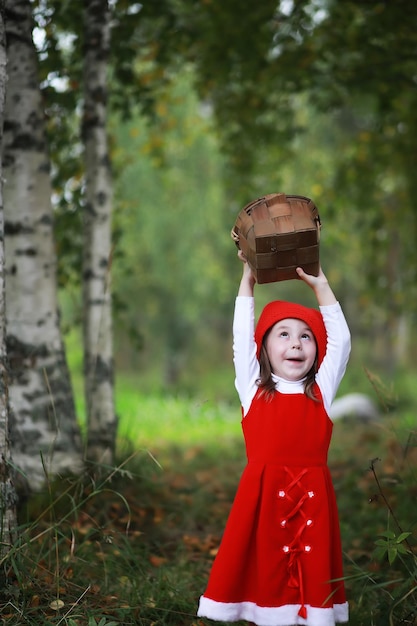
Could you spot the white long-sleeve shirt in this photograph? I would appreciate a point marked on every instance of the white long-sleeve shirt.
(246, 364)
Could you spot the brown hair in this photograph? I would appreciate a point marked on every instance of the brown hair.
(266, 383)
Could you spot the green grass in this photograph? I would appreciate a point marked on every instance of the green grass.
(177, 420)
(132, 548)
(155, 418)
(136, 546)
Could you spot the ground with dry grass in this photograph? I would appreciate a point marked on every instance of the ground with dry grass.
(135, 546)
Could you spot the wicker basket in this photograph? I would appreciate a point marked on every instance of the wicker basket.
(278, 233)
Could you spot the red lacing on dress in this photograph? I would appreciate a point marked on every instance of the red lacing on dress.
(296, 547)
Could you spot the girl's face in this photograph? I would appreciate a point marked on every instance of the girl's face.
(291, 349)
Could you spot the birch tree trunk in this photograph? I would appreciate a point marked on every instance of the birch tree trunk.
(7, 492)
(44, 431)
(98, 340)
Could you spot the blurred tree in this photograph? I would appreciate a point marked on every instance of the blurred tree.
(364, 69)
(97, 227)
(8, 520)
(174, 233)
(44, 429)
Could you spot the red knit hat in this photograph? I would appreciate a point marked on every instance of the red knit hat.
(278, 310)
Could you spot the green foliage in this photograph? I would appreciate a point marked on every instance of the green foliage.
(233, 68)
(391, 546)
(304, 97)
(174, 228)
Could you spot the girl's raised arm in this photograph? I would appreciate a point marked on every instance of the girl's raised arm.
(248, 280)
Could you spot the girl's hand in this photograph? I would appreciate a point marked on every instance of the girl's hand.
(319, 284)
(248, 280)
(241, 256)
(246, 267)
(311, 280)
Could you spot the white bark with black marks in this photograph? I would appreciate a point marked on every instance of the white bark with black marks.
(8, 521)
(45, 433)
(98, 340)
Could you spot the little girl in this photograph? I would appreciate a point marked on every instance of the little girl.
(280, 559)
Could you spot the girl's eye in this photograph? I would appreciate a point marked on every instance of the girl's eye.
(305, 336)
(283, 333)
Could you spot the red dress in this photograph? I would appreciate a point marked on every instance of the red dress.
(280, 557)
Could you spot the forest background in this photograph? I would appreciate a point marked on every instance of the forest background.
(323, 107)
(208, 107)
